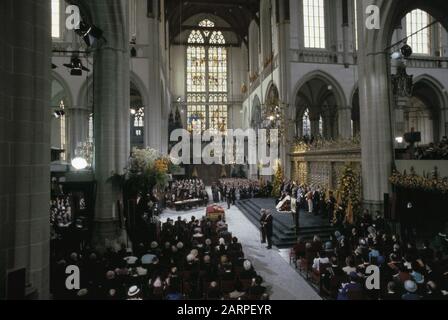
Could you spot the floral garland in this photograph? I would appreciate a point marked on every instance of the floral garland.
(432, 183)
(349, 193)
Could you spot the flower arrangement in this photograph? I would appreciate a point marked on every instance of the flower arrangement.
(428, 182)
(146, 169)
(349, 193)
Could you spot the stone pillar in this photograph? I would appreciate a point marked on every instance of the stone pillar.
(78, 128)
(375, 104)
(344, 122)
(25, 89)
(153, 112)
(283, 39)
(111, 113)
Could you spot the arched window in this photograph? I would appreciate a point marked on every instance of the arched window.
(55, 18)
(306, 127)
(138, 116)
(314, 23)
(416, 20)
(207, 91)
(90, 138)
(321, 126)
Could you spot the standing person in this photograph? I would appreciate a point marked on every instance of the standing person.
(269, 226)
(331, 203)
(309, 199)
(297, 217)
(229, 198)
(262, 226)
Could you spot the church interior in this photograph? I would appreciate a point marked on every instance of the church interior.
(95, 206)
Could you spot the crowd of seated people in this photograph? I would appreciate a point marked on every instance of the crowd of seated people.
(61, 212)
(186, 190)
(407, 272)
(433, 151)
(197, 259)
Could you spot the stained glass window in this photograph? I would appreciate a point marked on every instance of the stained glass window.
(321, 126)
(206, 79)
(314, 23)
(416, 20)
(138, 116)
(306, 123)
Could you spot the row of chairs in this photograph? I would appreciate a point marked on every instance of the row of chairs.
(328, 288)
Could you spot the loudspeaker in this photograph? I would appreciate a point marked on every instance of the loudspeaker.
(16, 283)
(413, 137)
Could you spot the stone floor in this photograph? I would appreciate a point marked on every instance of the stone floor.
(281, 279)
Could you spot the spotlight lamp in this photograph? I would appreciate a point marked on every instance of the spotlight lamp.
(406, 51)
(76, 67)
(90, 33)
(59, 113)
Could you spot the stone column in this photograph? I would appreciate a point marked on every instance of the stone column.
(344, 122)
(153, 112)
(78, 128)
(111, 113)
(375, 104)
(25, 89)
(283, 39)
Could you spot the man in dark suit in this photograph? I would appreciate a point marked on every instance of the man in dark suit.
(269, 226)
(262, 226)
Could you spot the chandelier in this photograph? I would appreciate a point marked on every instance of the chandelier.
(274, 113)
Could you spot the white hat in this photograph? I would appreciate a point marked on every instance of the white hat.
(82, 293)
(131, 260)
(142, 271)
(194, 252)
(133, 291)
(247, 265)
(410, 286)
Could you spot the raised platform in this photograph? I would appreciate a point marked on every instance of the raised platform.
(284, 230)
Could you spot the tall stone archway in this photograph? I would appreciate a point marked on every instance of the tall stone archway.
(375, 91)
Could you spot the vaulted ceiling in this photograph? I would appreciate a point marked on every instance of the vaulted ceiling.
(237, 13)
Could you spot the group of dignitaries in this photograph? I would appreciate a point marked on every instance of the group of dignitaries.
(187, 189)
